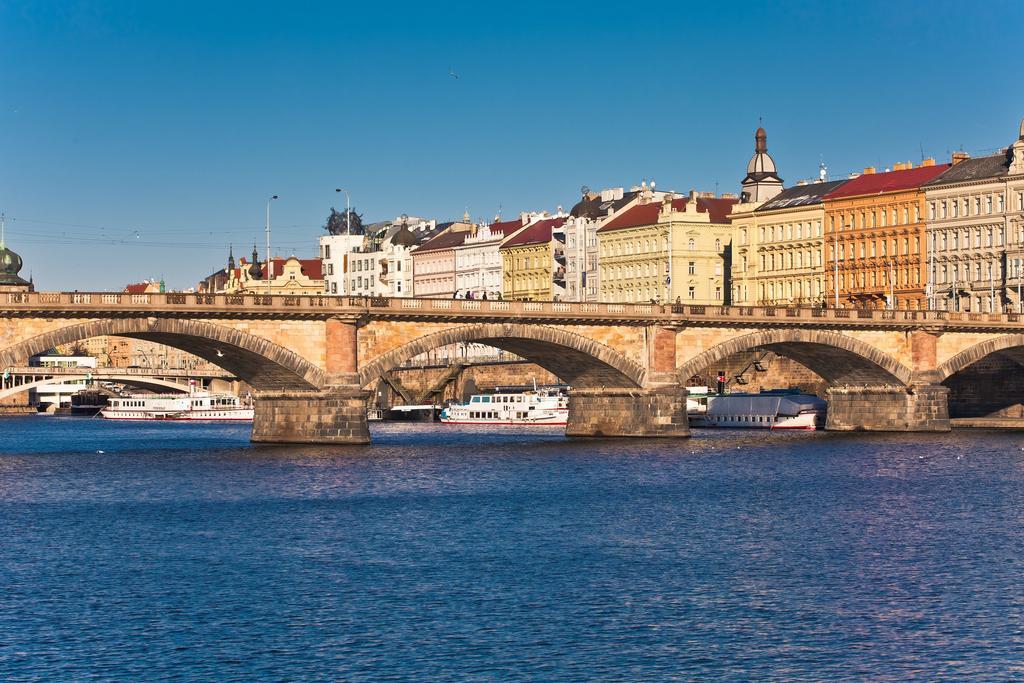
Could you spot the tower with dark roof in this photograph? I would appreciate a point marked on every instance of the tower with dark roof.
(762, 181)
(231, 257)
(255, 272)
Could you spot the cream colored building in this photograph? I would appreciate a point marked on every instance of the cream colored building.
(667, 250)
(974, 227)
(291, 276)
(778, 248)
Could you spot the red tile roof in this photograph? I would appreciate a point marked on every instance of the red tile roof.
(445, 240)
(505, 227)
(137, 288)
(893, 181)
(538, 233)
(647, 214)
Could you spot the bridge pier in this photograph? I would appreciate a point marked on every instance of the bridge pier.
(915, 408)
(659, 412)
(336, 415)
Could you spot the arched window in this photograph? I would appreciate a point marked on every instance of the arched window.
(690, 244)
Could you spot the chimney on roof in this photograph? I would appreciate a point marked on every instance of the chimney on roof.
(869, 170)
(959, 156)
(617, 193)
(930, 161)
(693, 195)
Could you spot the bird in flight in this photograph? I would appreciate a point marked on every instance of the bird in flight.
(451, 72)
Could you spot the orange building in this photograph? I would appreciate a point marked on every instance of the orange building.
(875, 238)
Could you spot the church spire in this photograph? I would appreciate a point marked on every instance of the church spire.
(231, 257)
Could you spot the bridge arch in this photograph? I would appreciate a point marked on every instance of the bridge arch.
(257, 361)
(582, 362)
(1011, 344)
(836, 358)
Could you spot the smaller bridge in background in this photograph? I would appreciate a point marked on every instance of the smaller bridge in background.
(18, 379)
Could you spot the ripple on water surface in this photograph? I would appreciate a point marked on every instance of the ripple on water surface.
(182, 551)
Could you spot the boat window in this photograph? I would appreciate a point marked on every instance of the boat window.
(485, 399)
(475, 399)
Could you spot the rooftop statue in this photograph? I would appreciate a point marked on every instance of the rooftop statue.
(339, 224)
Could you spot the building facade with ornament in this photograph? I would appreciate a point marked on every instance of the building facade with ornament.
(668, 249)
(975, 232)
(875, 238)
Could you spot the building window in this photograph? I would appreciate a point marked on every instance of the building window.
(692, 268)
(718, 292)
(718, 245)
(988, 204)
(691, 245)
(692, 292)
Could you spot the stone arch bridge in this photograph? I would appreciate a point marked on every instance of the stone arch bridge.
(310, 358)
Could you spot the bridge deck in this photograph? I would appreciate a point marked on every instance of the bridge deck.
(226, 306)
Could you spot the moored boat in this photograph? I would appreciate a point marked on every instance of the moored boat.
(199, 406)
(538, 407)
(767, 410)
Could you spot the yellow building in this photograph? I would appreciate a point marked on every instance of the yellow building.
(778, 248)
(533, 262)
(668, 250)
(286, 276)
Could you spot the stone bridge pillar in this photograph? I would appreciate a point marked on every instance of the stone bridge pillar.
(334, 414)
(657, 409)
(920, 406)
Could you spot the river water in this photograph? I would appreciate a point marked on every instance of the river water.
(182, 552)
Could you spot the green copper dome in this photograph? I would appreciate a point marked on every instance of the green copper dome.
(10, 266)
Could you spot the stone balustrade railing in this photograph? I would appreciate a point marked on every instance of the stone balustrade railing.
(262, 305)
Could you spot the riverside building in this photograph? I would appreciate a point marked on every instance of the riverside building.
(778, 248)
(875, 238)
(533, 261)
(667, 249)
(975, 232)
(433, 261)
(582, 281)
(478, 263)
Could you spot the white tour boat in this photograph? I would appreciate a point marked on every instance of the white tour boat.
(767, 410)
(200, 405)
(538, 407)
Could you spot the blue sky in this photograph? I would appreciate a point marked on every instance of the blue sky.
(140, 139)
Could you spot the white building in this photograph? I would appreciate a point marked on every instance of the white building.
(58, 393)
(376, 263)
(581, 268)
(334, 252)
(478, 261)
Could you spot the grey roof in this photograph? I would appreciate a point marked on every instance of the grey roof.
(800, 195)
(994, 166)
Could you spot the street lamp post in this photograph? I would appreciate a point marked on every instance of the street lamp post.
(348, 210)
(270, 262)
